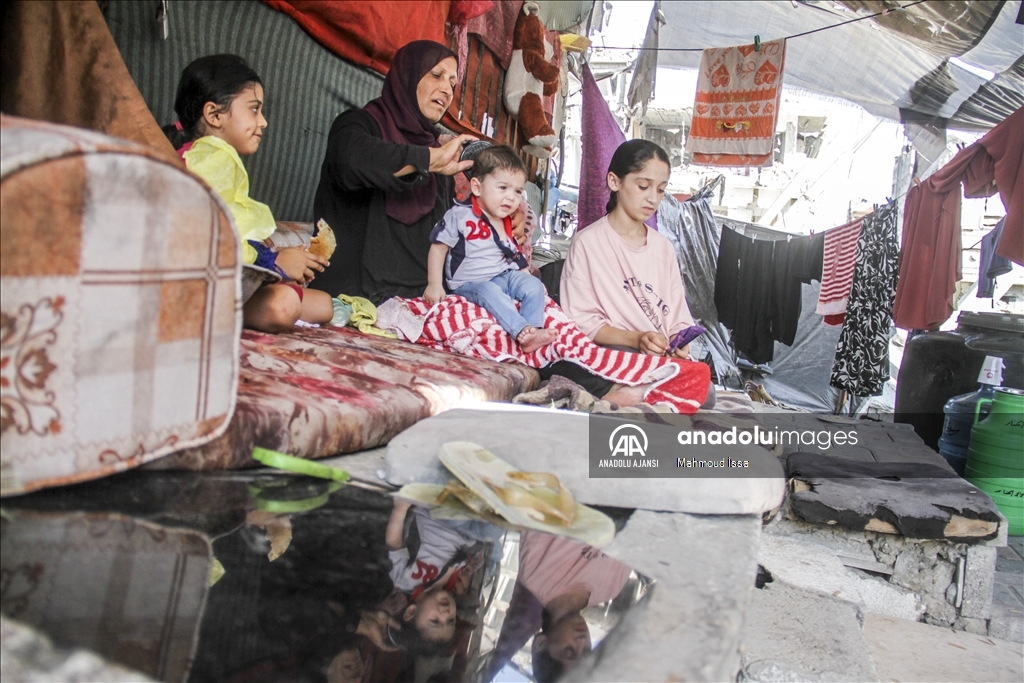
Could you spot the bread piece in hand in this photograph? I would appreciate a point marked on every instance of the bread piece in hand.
(324, 243)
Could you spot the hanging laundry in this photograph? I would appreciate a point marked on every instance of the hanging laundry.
(758, 289)
(727, 275)
(931, 248)
(641, 87)
(862, 356)
(752, 335)
(837, 271)
(797, 262)
(992, 264)
(737, 105)
(809, 266)
(601, 137)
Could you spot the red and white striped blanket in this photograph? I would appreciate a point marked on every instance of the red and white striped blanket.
(458, 326)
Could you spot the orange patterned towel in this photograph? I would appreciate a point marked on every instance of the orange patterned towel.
(737, 105)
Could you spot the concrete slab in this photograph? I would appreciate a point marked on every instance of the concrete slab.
(542, 440)
(689, 626)
(796, 635)
(908, 652)
(817, 568)
(1007, 623)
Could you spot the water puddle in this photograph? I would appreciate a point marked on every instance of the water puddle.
(248, 577)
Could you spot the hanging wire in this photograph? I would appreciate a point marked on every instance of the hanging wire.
(795, 35)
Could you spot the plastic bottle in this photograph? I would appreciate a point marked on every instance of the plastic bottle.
(959, 410)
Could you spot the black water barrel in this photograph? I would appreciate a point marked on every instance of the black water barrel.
(939, 365)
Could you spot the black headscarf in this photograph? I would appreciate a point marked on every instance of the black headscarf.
(397, 113)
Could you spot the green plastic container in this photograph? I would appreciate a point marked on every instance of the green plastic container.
(995, 462)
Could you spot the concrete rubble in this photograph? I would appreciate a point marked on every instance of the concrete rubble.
(558, 441)
(793, 634)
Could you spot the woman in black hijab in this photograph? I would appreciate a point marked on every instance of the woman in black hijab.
(386, 179)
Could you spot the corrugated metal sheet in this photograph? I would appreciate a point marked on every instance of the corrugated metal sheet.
(306, 85)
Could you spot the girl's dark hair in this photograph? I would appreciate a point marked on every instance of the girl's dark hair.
(546, 669)
(214, 78)
(630, 157)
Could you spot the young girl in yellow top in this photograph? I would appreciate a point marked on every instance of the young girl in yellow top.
(220, 116)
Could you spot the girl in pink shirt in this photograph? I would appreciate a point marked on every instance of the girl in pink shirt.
(621, 282)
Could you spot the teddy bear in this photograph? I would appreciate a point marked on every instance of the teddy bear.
(530, 76)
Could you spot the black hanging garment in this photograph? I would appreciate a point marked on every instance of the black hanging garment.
(743, 284)
(797, 262)
(758, 289)
(862, 357)
(727, 275)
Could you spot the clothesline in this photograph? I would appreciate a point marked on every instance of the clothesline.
(795, 35)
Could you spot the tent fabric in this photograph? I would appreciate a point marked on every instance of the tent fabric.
(341, 28)
(880, 62)
(931, 249)
(60, 64)
(306, 85)
(368, 33)
(645, 71)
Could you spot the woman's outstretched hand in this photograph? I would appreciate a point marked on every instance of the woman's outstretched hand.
(299, 264)
(374, 626)
(518, 219)
(445, 159)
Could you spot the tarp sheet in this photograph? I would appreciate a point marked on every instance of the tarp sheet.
(896, 65)
(368, 33)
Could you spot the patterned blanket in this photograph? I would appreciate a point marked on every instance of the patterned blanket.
(318, 392)
(464, 328)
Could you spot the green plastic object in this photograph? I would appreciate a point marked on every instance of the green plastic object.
(995, 462)
(290, 463)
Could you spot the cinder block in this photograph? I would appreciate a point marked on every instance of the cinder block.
(978, 575)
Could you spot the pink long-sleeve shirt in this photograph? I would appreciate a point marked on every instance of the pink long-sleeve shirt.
(606, 281)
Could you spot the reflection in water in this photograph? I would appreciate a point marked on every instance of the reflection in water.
(129, 590)
(312, 582)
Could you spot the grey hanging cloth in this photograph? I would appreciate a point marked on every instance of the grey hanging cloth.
(992, 264)
(693, 231)
(862, 356)
(641, 88)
